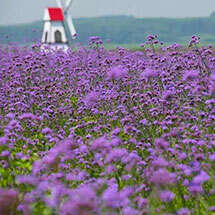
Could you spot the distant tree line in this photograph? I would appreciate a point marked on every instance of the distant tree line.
(121, 29)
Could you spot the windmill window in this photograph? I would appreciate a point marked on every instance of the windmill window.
(58, 37)
(46, 37)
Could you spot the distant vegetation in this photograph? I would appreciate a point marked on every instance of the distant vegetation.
(121, 29)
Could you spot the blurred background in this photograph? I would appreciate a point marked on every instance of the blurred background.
(117, 22)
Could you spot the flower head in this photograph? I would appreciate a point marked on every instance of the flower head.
(162, 177)
(166, 196)
(183, 211)
(191, 75)
(8, 201)
(194, 40)
(117, 72)
(91, 98)
(149, 73)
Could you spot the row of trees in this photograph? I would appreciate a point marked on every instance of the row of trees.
(121, 29)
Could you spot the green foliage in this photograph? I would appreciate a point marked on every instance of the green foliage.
(121, 30)
(40, 208)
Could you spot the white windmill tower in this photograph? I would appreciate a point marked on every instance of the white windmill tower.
(55, 20)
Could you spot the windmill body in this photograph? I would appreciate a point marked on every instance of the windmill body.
(55, 21)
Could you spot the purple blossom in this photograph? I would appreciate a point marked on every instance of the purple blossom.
(93, 131)
(10, 116)
(46, 131)
(194, 40)
(162, 177)
(27, 116)
(91, 98)
(212, 208)
(212, 157)
(3, 140)
(191, 75)
(195, 189)
(201, 178)
(166, 196)
(8, 201)
(117, 72)
(5, 153)
(115, 199)
(130, 211)
(80, 202)
(167, 95)
(26, 179)
(183, 211)
(159, 162)
(161, 143)
(115, 155)
(149, 73)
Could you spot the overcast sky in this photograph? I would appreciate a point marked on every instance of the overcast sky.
(23, 11)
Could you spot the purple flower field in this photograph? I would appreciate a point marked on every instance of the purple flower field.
(107, 132)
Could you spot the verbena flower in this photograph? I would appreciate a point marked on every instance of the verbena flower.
(8, 201)
(91, 98)
(194, 40)
(148, 74)
(117, 73)
(201, 178)
(166, 196)
(162, 177)
(184, 211)
(93, 131)
(191, 75)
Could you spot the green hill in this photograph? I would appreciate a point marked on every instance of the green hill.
(121, 29)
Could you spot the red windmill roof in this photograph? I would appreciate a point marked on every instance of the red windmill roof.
(56, 14)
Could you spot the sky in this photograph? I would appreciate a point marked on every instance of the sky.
(25, 11)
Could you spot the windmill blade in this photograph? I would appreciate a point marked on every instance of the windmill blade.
(71, 26)
(68, 5)
(59, 3)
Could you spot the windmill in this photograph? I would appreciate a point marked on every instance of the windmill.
(55, 21)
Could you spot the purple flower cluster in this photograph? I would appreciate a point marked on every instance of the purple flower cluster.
(96, 131)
